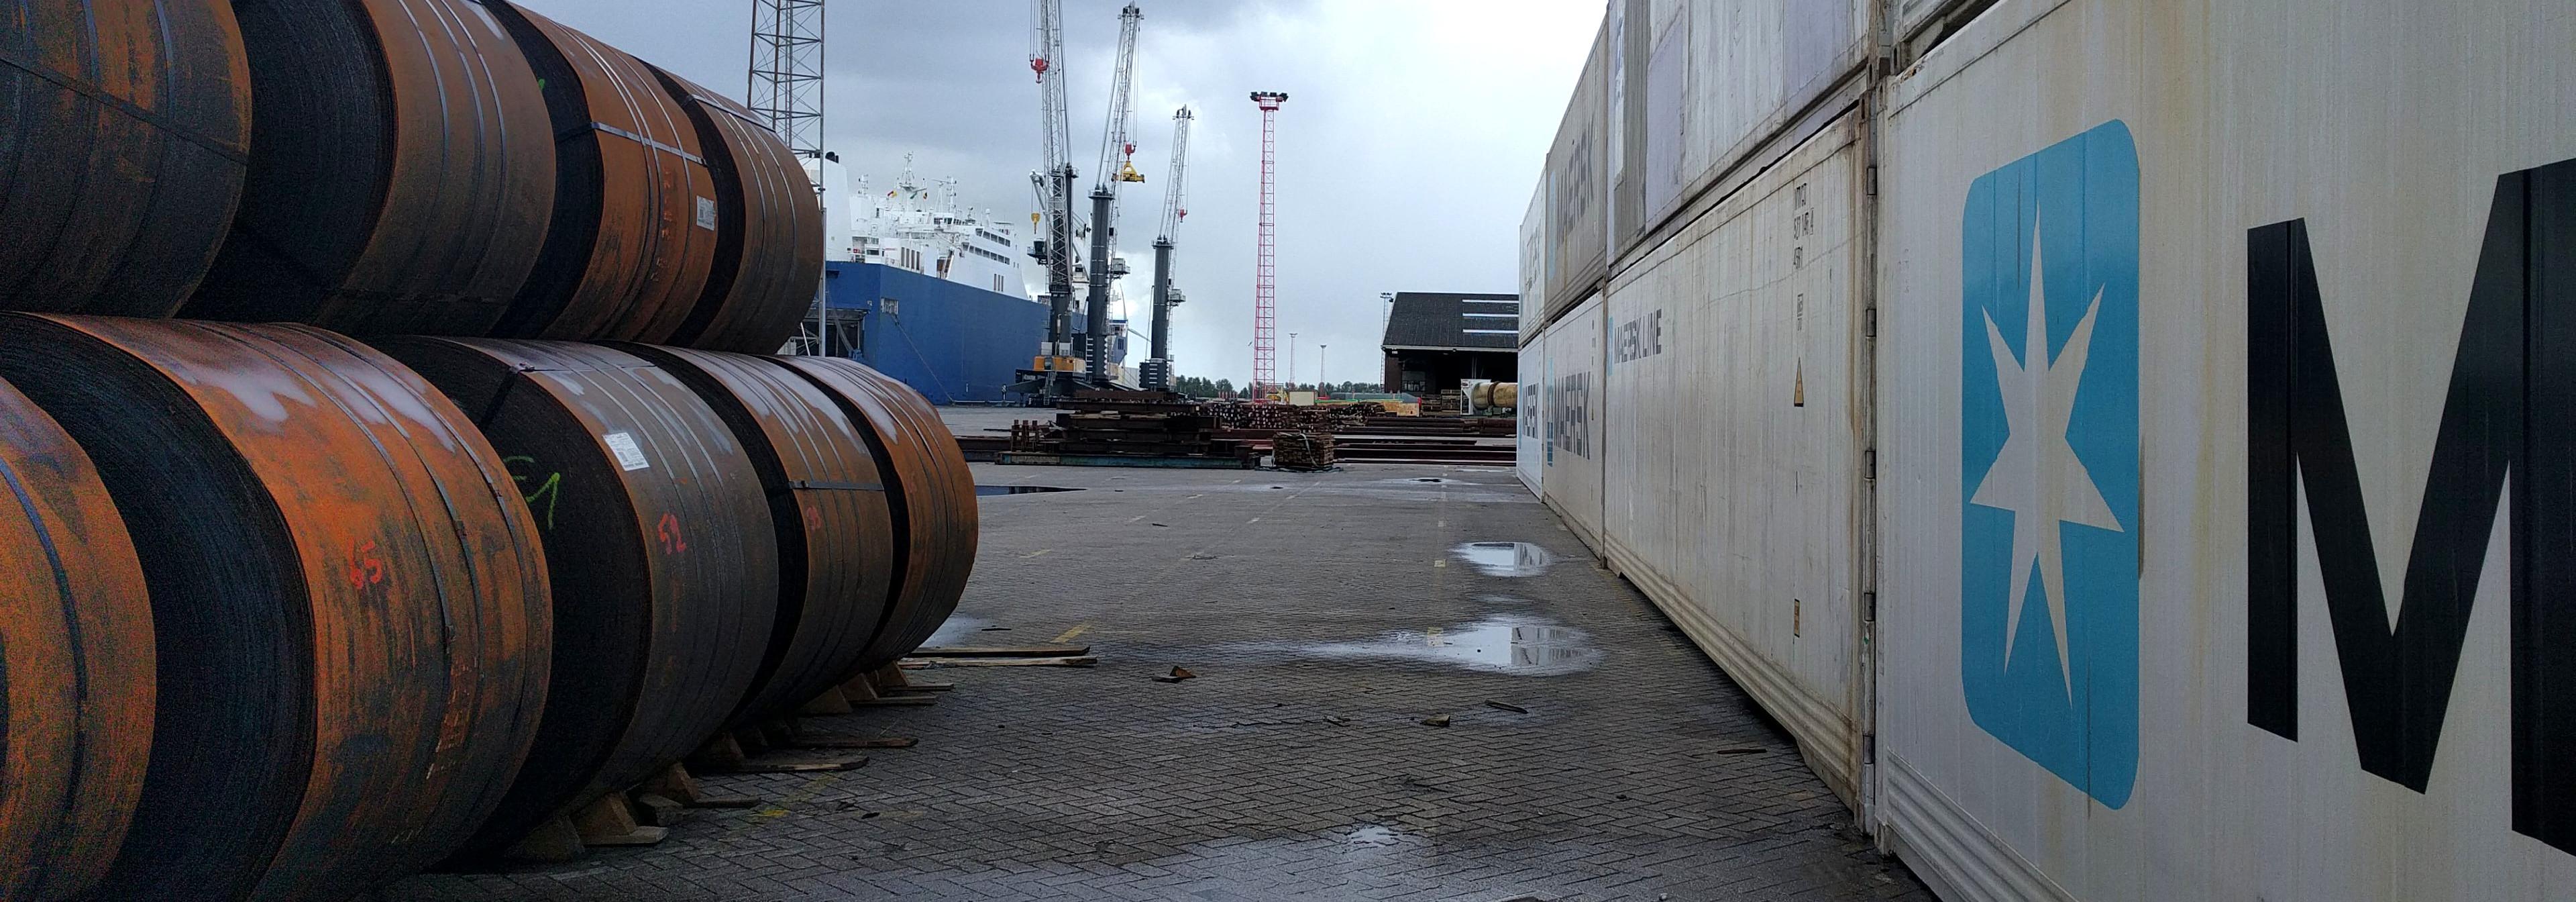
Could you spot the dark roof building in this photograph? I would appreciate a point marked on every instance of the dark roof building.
(1435, 340)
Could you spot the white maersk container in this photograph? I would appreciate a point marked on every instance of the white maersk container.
(2215, 360)
(2226, 471)
(1570, 460)
(1533, 268)
(1734, 495)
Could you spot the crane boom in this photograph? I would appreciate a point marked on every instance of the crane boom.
(1116, 150)
(1054, 185)
(1176, 207)
(1175, 186)
(1114, 169)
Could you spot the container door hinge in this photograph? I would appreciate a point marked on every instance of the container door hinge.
(1869, 463)
(1869, 322)
(1872, 182)
(1869, 606)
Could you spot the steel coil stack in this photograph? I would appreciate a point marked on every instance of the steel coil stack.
(827, 501)
(76, 681)
(769, 236)
(346, 596)
(280, 610)
(129, 124)
(634, 222)
(928, 487)
(665, 567)
(400, 169)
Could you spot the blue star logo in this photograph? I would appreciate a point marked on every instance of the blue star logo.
(2048, 401)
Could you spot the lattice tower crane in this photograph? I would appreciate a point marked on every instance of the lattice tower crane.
(1176, 207)
(1054, 186)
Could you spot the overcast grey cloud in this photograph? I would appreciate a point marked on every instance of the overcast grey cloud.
(1408, 149)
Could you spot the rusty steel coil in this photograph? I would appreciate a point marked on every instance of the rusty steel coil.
(347, 594)
(75, 662)
(401, 170)
(827, 502)
(665, 566)
(635, 209)
(130, 127)
(929, 488)
(769, 235)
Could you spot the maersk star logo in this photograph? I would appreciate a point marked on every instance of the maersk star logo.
(2049, 459)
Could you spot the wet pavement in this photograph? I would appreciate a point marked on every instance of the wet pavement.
(1405, 689)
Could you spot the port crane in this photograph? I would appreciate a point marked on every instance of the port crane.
(1054, 370)
(1116, 167)
(1176, 207)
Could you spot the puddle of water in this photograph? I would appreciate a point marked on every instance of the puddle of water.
(1019, 489)
(1505, 558)
(1522, 646)
(1428, 480)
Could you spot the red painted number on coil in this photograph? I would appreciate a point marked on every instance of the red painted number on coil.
(669, 531)
(813, 518)
(366, 567)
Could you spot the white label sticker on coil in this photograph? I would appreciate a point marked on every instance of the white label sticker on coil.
(629, 456)
(707, 213)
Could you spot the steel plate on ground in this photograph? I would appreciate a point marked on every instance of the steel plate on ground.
(75, 662)
(665, 565)
(141, 114)
(827, 501)
(352, 637)
(927, 485)
(401, 171)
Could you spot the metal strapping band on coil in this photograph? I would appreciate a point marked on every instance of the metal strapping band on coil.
(631, 136)
(830, 486)
(156, 120)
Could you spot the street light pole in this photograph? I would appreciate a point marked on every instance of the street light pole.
(1292, 366)
(1319, 365)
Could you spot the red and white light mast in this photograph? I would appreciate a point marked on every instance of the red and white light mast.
(1265, 278)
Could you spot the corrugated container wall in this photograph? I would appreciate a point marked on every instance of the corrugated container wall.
(1534, 265)
(2122, 441)
(1729, 85)
(1529, 443)
(1570, 467)
(1578, 183)
(1733, 496)
(2228, 496)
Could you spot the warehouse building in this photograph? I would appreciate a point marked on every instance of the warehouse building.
(1435, 339)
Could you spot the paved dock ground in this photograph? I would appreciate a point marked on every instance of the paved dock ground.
(1589, 751)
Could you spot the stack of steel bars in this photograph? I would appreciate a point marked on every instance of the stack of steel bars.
(369, 562)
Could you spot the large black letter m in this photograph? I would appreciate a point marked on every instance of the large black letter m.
(2511, 408)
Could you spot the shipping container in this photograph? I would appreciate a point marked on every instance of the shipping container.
(1578, 180)
(1533, 271)
(1529, 442)
(1570, 465)
(1734, 494)
(1732, 85)
(2210, 334)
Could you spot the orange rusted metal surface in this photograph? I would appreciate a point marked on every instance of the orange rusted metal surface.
(401, 170)
(348, 597)
(665, 565)
(635, 210)
(827, 501)
(769, 245)
(75, 662)
(929, 488)
(130, 124)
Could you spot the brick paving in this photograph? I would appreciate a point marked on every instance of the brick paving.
(1327, 616)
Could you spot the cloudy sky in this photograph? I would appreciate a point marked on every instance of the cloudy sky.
(1408, 149)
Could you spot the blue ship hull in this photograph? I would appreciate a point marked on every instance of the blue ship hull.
(954, 343)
